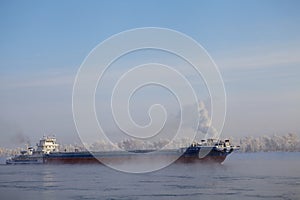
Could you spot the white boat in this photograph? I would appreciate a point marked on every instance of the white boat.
(31, 155)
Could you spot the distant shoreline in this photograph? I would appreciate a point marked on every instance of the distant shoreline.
(275, 143)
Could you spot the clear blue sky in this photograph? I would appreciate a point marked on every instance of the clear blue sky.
(256, 44)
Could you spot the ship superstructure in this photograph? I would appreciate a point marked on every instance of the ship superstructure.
(47, 145)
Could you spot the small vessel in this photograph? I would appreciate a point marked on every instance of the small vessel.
(36, 155)
(47, 152)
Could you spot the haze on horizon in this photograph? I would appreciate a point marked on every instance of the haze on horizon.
(256, 45)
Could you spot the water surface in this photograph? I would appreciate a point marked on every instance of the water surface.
(241, 176)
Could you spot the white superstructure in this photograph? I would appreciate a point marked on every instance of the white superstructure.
(46, 145)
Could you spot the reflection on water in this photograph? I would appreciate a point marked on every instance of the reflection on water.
(246, 176)
(48, 177)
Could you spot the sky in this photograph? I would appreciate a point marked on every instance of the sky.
(255, 44)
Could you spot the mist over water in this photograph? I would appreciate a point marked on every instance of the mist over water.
(241, 176)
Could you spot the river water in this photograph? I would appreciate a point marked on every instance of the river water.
(241, 176)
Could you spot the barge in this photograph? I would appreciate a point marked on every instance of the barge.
(47, 152)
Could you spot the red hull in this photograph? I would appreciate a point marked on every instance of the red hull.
(120, 160)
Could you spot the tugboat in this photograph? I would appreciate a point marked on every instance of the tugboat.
(47, 152)
(31, 155)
